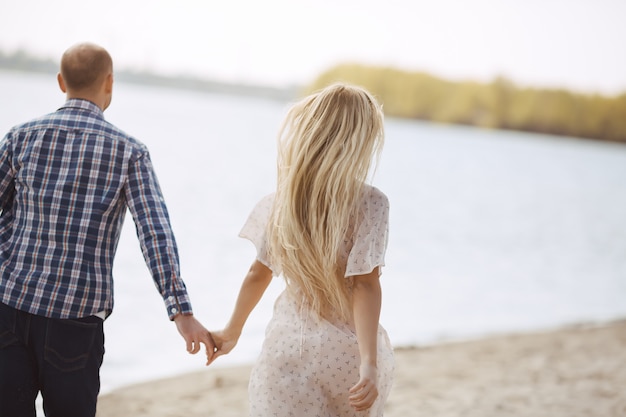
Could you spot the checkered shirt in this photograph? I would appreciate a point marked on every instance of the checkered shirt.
(66, 180)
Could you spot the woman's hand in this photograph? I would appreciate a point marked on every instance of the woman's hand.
(225, 340)
(366, 299)
(254, 285)
(365, 392)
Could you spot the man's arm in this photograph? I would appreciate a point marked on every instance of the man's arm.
(156, 238)
(158, 245)
(6, 174)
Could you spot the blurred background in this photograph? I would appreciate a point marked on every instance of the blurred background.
(505, 157)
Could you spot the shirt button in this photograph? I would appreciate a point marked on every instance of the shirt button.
(174, 310)
(171, 298)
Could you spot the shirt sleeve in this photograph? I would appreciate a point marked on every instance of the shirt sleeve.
(158, 245)
(371, 235)
(6, 174)
(254, 230)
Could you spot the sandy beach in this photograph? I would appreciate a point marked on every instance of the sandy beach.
(578, 371)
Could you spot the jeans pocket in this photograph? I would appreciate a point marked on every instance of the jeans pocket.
(69, 343)
(7, 326)
(7, 338)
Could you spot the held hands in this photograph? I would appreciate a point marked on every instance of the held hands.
(365, 392)
(194, 334)
(225, 340)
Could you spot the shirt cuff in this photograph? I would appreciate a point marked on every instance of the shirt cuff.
(177, 304)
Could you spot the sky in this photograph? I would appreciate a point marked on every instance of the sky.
(574, 44)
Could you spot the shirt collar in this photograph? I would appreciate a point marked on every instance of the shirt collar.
(82, 104)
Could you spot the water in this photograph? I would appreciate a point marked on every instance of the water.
(491, 232)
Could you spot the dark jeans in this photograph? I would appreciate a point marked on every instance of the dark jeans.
(59, 358)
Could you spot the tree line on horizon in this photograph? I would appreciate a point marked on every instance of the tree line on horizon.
(23, 61)
(499, 104)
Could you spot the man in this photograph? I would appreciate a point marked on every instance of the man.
(66, 180)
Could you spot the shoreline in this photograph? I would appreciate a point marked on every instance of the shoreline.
(573, 371)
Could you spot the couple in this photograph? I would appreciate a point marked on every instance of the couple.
(66, 180)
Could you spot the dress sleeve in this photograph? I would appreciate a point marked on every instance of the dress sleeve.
(254, 231)
(371, 235)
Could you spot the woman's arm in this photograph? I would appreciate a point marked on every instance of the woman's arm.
(254, 285)
(366, 298)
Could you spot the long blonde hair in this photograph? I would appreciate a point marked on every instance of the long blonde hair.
(326, 147)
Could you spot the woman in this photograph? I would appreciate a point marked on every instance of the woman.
(325, 231)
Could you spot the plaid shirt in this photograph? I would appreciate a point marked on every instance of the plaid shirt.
(66, 180)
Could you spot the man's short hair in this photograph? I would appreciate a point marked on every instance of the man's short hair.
(83, 65)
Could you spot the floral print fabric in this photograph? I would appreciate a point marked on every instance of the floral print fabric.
(308, 364)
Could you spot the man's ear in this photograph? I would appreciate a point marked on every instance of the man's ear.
(108, 87)
(61, 83)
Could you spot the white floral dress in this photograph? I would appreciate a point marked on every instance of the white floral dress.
(307, 365)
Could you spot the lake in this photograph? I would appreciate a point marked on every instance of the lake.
(490, 231)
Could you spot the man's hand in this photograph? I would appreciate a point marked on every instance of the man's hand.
(194, 334)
